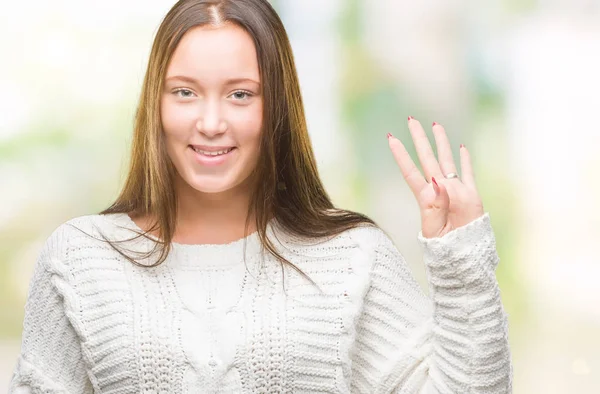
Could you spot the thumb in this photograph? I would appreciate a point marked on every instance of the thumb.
(435, 217)
(442, 199)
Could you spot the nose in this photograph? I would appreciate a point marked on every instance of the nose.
(210, 121)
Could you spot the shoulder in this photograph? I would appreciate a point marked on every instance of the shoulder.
(362, 239)
(359, 246)
(368, 235)
(73, 234)
(371, 239)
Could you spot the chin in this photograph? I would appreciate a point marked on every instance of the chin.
(211, 184)
(211, 187)
(214, 183)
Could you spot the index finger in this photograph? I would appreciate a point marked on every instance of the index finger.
(411, 173)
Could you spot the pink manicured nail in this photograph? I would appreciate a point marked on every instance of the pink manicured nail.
(410, 118)
(462, 146)
(434, 123)
(436, 188)
(389, 135)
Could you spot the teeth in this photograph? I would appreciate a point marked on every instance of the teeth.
(221, 152)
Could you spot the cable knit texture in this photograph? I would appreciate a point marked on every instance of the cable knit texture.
(209, 320)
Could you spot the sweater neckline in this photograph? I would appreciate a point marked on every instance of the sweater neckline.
(208, 254)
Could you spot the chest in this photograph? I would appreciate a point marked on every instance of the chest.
(227, 329)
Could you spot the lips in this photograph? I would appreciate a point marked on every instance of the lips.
(209, 148)
(210, 153)
(208, 159)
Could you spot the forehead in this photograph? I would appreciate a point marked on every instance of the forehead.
(208, 52)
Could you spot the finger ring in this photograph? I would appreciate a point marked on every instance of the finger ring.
(452, 175)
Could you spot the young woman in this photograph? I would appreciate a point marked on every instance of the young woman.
(243, 276)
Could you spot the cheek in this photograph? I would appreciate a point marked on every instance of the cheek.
(247, 125)
(175, 120)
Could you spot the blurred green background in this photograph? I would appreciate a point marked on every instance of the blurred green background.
(515, 81)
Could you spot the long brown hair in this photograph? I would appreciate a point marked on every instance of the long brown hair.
(289, 189)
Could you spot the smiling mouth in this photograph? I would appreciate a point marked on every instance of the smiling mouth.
(212, 154)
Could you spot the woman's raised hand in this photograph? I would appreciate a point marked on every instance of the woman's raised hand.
(445, 204)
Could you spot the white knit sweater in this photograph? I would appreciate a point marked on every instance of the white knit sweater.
(203, 323)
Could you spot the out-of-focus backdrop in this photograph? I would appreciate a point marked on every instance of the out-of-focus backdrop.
(516, 81)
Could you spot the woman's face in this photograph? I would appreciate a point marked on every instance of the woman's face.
(211, 108)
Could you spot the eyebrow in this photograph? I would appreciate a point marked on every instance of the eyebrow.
(230, 81)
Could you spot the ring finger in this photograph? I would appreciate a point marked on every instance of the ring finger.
(444, 151)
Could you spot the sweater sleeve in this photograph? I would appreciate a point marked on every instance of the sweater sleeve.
(51, 359)
(455, 340)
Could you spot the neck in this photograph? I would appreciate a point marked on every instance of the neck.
(212, 217)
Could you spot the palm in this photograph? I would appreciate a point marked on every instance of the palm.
(452, 204)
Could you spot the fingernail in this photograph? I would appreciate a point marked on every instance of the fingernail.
(389, 135)
(436, 188)
(410, 118)
(462, 146)
(434, 123)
